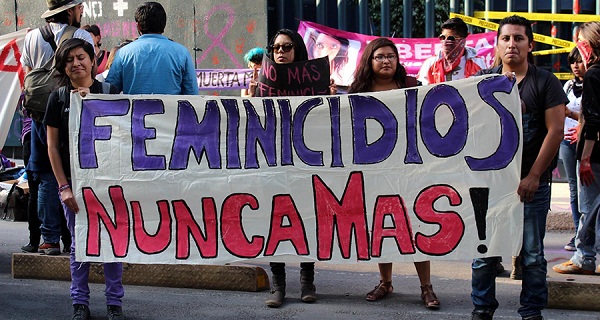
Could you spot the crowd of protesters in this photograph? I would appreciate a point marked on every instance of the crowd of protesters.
(565, 118)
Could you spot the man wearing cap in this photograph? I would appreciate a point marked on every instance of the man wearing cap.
(36, 52)
(455, 60)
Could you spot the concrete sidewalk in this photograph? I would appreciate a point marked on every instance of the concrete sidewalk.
(559, 217)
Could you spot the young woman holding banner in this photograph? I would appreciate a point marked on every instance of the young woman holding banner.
(285, 47)
(74, 64)
(379, 69)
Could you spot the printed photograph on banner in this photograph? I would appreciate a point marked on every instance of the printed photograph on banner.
(342, 53)
(413, 51)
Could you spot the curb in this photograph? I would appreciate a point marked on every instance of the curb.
(560, 221)
(216, 277)
(573, 292)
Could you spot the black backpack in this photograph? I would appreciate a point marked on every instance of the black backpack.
(40, 82)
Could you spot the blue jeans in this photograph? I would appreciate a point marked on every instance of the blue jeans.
(534, 289)
(585, 256)
(49, 207)
(568, 154)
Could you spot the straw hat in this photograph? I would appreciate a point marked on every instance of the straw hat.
(56, 6)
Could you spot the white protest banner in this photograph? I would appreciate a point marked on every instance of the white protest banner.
(223, 79)
(426, 173)
(11, 78)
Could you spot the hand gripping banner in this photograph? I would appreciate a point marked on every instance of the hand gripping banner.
(426, 173)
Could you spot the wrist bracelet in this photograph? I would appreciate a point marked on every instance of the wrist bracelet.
(64, 187)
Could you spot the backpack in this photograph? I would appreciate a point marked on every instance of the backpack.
(64, 96)
(40, 82)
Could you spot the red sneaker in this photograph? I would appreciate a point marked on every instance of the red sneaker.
(51, 249)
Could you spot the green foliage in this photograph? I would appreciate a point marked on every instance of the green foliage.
(442, 13)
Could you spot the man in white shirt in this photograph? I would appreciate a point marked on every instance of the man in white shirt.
(455, 60)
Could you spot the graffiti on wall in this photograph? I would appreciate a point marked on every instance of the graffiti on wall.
(223, 30)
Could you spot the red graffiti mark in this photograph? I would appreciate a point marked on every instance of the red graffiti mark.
(250, 26)
(217, 40)
(180, 23)
(4, 59)
(7, 22)
(239, 45)
(215, 93)
(20, 21)
(118, 29)
(215, 59)
(556, 65)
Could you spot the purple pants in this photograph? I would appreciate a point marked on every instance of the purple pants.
(80, 271)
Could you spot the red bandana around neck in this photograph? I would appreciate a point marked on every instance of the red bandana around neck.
(585, 50)
(447, 63)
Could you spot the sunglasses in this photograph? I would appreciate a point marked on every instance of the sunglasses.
(287, 47)
(449, 38)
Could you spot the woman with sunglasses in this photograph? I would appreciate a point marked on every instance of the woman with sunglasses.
(379, 69)
(455, 60)
(285, 47)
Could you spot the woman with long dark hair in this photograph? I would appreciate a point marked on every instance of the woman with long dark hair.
(287, 46)
(74, 63)
(380, 70)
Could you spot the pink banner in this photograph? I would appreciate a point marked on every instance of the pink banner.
(345, 48)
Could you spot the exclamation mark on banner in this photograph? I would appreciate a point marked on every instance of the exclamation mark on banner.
(479, 198)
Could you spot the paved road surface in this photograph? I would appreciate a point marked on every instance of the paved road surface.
(341, 291)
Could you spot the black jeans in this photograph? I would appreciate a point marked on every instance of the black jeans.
(33, 221)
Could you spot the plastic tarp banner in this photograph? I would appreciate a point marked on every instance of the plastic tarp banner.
(11, 78)
(426, 173)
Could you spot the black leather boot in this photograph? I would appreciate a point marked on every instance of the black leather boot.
(278, 285)
(307, 277)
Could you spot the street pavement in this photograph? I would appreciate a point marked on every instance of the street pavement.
(341, 290)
